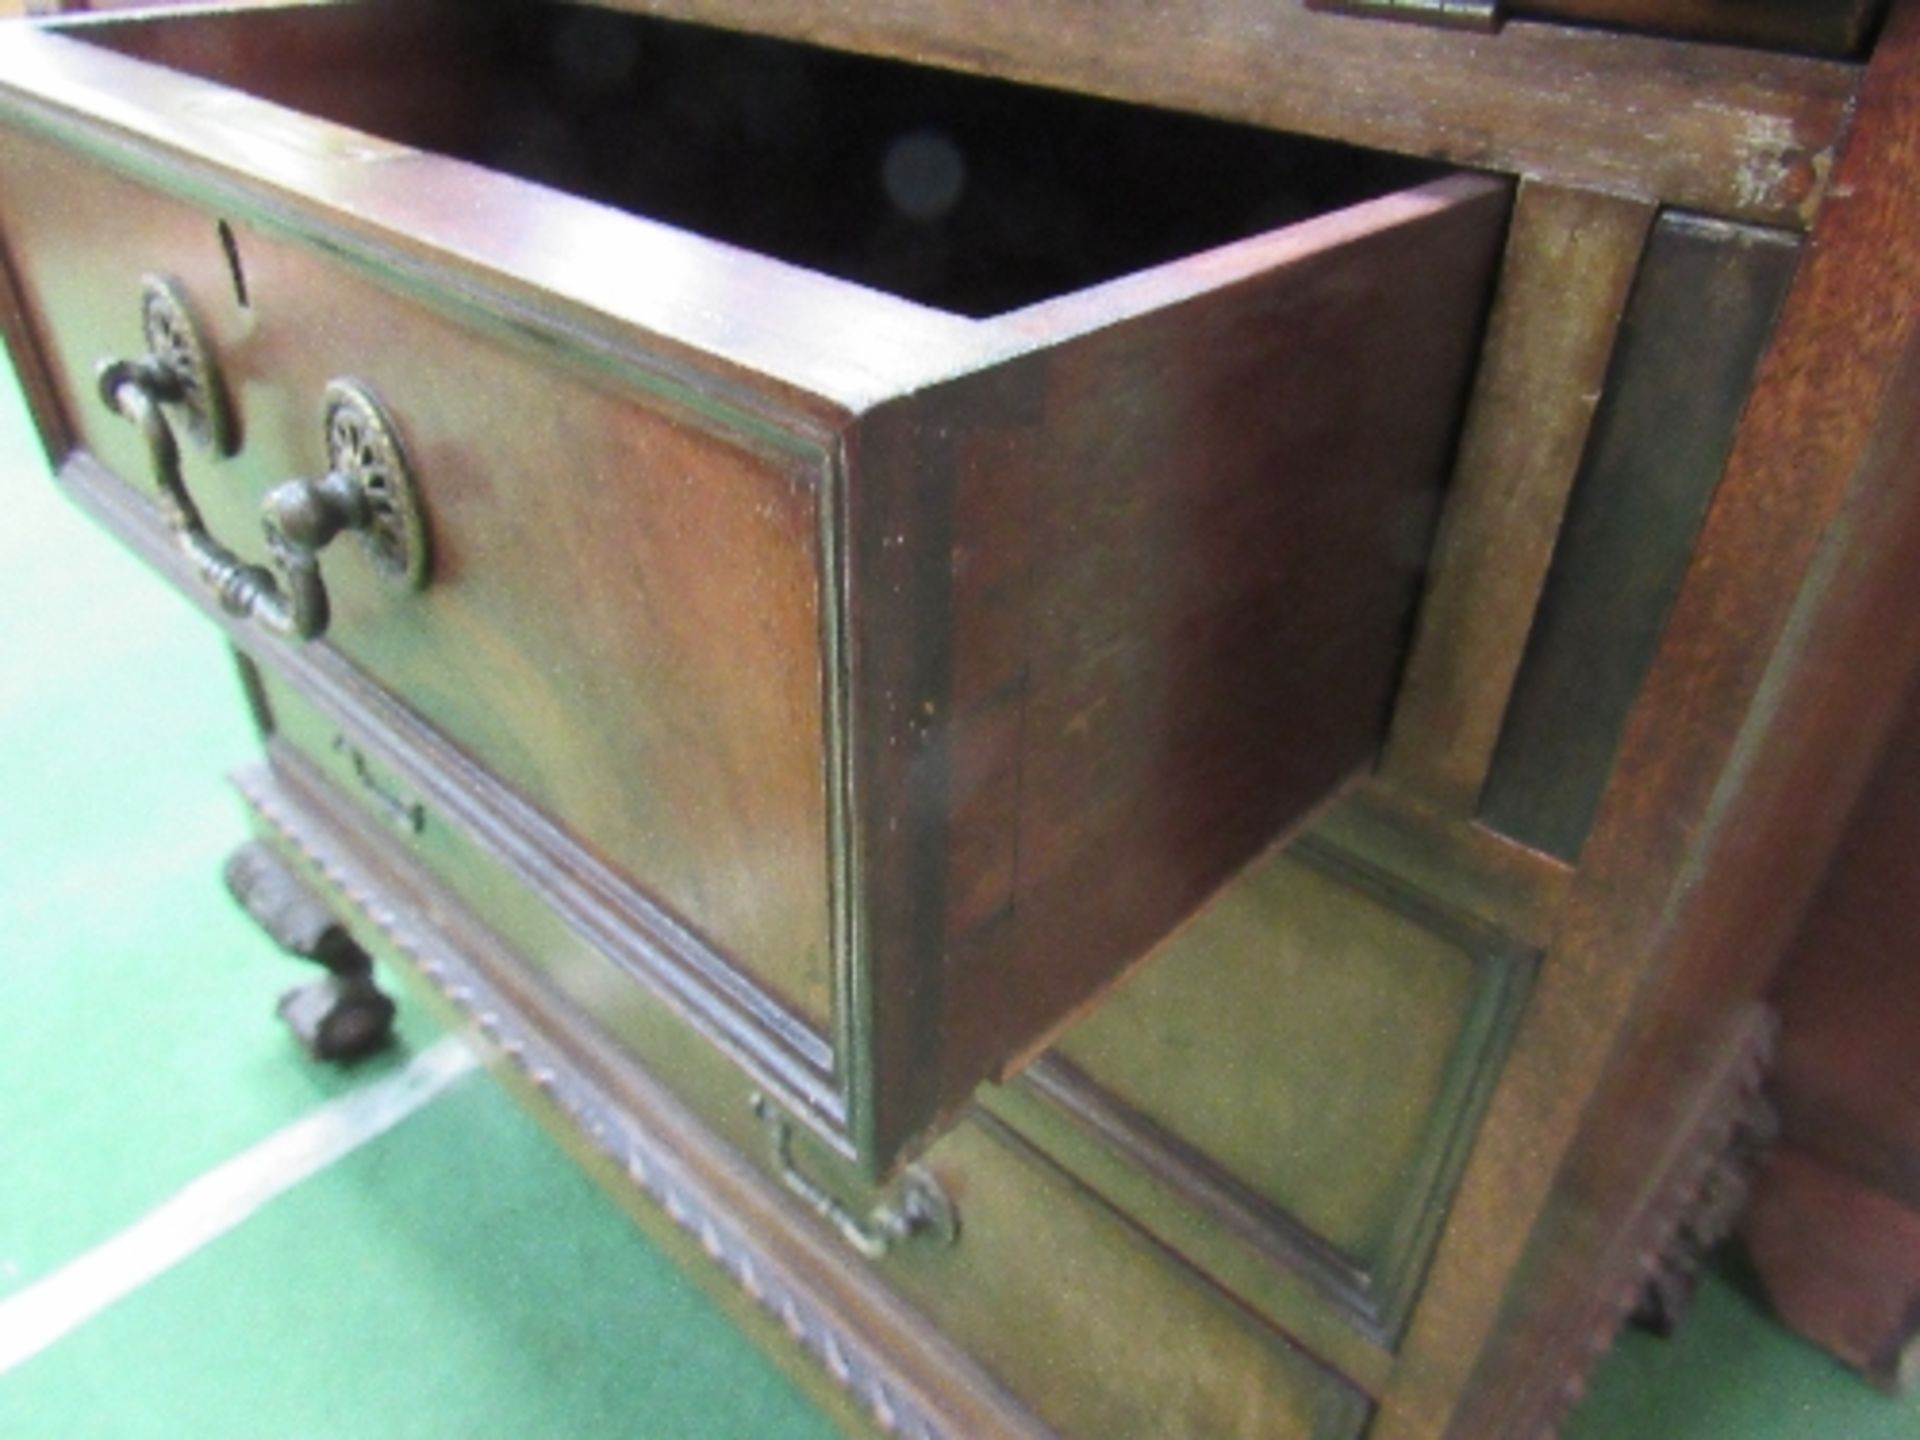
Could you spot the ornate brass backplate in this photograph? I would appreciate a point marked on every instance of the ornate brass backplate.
(368, 486)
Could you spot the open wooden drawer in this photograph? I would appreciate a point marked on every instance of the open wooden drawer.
(897, 541)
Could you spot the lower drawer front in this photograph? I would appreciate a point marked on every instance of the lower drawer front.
(589, 962)
(1097, 1325)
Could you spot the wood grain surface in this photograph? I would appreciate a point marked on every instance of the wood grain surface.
(624, 614)
(1057, 618)
(951, 1335)
(680, 1170)
(1839, 1260)
(1737, 770)
(1835, 1227)
(1571, 256)
(928, 715)
(1849, 993)
(1701, 311)
(1725, 131)
(1171, 632)
(1826, 27)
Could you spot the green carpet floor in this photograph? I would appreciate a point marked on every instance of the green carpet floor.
(456, 1278)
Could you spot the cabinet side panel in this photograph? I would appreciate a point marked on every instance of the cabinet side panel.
(1739, 763)
(1700, 314)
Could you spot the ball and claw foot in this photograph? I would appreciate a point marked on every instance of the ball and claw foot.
(341, 1017)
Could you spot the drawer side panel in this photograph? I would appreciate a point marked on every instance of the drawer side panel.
(1181, 549)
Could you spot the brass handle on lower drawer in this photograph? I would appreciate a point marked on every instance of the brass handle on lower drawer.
(916, 1206)
(368, 487)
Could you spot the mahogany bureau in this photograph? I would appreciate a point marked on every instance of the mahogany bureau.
(1122, 704)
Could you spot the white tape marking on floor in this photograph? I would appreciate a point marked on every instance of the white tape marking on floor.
(218, 1201)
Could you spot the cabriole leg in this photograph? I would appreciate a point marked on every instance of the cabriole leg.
(342, 1017)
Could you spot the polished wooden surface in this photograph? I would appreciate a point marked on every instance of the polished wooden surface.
(1716, 129)
(932, 715)
(529, 256)
(1163, 1355)
(1700, 315)
(1333, 1154)
(1497, 1059)
(960, 194)
(554, 977)
(1849, 995)
(786, 1280)
(1281, 1120)
(997, 1289)
(1835, 1230)
(630, 642)
(1571, 256)
(1834, 27)
(1839, 1261)
(1738, 769)
(1093, 782)
(576, 926)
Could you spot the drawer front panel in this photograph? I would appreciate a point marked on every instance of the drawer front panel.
(422, 819)
(1301, 1070)
(623, 616)
(1067, 1302)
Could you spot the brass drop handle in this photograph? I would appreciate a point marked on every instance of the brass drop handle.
(917, 1205)
(368, 487)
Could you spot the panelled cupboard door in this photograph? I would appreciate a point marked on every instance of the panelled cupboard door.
(877, 567)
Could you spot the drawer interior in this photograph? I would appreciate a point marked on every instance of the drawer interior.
(964, 194)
